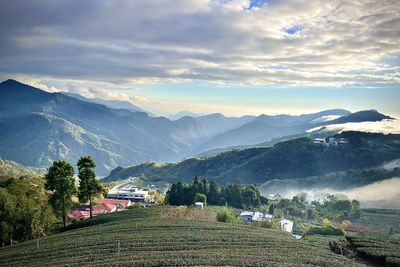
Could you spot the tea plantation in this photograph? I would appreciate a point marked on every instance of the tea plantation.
(146, 237)
(381, 252)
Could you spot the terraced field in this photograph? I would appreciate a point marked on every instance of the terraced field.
(381, 252)
(148, 238)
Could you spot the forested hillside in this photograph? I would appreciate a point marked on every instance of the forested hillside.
(298, 158)
(11, 169)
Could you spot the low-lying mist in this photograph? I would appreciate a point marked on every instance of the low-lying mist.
(388, 126)
(384, 193)
(381, 194)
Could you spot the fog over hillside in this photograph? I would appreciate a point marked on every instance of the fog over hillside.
(381, 194)
(385, 126)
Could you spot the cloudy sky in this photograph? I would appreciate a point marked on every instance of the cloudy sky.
(230, 56)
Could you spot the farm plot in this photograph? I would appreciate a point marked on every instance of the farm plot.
(382, 252)
(142, 238)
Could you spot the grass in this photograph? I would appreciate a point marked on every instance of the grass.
(150, 237)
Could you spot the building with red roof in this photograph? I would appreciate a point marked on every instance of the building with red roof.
(79, 214)
(97, 209)
(103, 208)
(119, 203)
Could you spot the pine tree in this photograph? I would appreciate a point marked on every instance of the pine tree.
(214, 193)
(89, 186)
(60, 181)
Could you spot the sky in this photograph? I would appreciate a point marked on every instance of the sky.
(230, 56)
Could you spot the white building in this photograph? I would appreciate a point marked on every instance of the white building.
(134, 195)
(336, 142)
(287, 225)
(257, 216)
(199, 205)
(246, 216)
(249, 216)
(274, 196)
(319, 141)
(268, 217)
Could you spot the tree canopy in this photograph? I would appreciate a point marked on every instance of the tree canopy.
(235, 194)
(89, 186)
(24, 211)
(60, 181)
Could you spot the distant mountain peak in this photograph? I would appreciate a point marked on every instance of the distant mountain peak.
(361, 116)
(12, 82)
(183, 113)
(8, 81)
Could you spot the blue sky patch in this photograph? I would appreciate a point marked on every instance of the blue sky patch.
(257, 3)
(293, 30)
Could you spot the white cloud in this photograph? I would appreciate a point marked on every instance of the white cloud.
(379, 194)
(326, 118)
(384, 126)
(335, 43)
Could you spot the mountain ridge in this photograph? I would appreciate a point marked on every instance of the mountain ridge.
(37, 127)
(297, 158)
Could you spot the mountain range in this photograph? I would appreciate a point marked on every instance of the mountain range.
(37, 127)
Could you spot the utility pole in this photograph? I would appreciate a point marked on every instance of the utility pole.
(119, 248)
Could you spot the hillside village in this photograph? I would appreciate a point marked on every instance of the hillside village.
(118, 198)
(331, 141)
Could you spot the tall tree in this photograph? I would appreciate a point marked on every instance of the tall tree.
(251, 196)
(171, 195)
(271, 209)
(179, 197)
(214, 193)
(60, 181)
(89, 186)
(204, 186)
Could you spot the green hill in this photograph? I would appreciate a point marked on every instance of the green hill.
(149, 238)
(293, 159)
(11, 169)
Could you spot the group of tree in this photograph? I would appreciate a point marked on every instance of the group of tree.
(25, 212)
(61, 184)
(332, 208)
(30, 206)
(212, 193)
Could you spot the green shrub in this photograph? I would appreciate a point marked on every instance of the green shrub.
(273, 224)
(181, 211)
(135, 206)
(326, 230)
(226, 215)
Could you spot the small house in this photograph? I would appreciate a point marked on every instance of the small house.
(268, 217)
(103, 208)
(319, 141)
(287, 225)
(257, 216)
(246, 216)
(119, 203)
(199, 205)
(79, 214)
